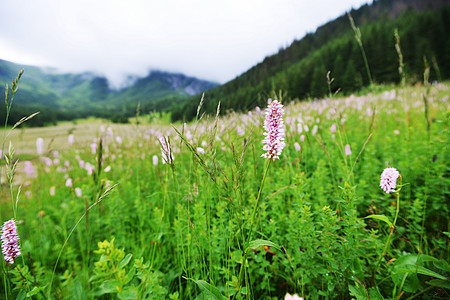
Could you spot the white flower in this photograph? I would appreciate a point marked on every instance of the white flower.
(388, 181)
(292, 297)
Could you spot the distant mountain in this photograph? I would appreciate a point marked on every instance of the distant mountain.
(68, 96)
(299, 71)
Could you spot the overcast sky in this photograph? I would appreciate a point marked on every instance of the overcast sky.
(210, 39)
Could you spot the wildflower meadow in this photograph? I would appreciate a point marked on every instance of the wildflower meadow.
(336, 198)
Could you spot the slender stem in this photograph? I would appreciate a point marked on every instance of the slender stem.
(160, 222)
(4, 281)
(105, 193)
(257, 200)
(252, 221)
(60, 252)
(390, 234)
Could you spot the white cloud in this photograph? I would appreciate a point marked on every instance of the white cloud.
(215, 40)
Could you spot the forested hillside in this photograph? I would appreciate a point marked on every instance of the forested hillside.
(299, 71)
(70, 96)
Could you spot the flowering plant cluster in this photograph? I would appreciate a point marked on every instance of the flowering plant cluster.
(275, 130)
(10, 241)
(388, 181)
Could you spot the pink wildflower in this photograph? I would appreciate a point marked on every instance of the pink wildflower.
(40, 145)
(29, 168)
(71, 139)
(274, 140)
(155, 160)
(89, 168)
(297, 146)
(388, 180)
(333, 128)
(10, 241)
(52, 191)
(314, 130)
(78, 192)
(348, 151)
(69, 182)
(240, 131)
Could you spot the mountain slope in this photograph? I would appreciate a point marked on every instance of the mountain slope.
(70, 96)
(300, 69)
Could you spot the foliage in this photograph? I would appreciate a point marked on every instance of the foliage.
(322, 226)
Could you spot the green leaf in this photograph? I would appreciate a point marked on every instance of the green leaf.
(129, 292)
(423, 258)
(257, 243)
(420, 270)
(209, 291)
(22, 295)
(381, 218)
(446, 233)
(409, 281)
(442, 265)
(110, 286)
(440, 283)
(129, 276)
(34, 291)
(374, 294)
(125, 261)
(357, 291)
(243, 290)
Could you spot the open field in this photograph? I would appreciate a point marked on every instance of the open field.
(222, 222)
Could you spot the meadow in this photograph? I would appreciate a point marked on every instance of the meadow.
(100, 216)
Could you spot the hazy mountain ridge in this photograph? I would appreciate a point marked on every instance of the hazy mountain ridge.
(69, 95)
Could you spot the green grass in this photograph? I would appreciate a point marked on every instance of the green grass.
(182, 232)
